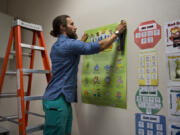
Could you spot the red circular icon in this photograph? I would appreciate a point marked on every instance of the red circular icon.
(147, 34)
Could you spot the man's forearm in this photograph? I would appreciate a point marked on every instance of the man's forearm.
(105, 43)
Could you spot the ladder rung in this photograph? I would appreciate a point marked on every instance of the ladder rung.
(36, 71)
(9, 118)
(7, 95)
(36, 114)
(28, 71)
(27, 25)
(34, 128)
(32, 47)
(11, 73)
(29, 98)
(14, 73)
(24, 54)
(10, 95)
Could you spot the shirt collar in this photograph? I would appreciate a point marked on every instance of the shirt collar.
(62, 37)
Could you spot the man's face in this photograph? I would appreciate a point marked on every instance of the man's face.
(71, 29)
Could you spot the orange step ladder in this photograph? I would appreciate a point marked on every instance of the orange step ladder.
(24, 98)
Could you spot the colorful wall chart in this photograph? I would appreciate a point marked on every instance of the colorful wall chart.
(174, 103)
(173, 66)
(148, 68)
(149, 99)
(104, 74)
(147, 35)
(172, 36)
(150, 124)
(174, 129)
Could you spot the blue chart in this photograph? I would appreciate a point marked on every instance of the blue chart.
(150, 124)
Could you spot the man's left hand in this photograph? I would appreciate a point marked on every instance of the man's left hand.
(84, 37)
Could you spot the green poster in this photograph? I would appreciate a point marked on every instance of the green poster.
(149, 99)
(104, 74)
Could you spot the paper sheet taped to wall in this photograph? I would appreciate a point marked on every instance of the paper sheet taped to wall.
(104, 74)
(148, 67)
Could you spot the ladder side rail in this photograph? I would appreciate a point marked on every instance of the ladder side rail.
(30, 76)
(44, 55)
(8, 50)
(20, 88)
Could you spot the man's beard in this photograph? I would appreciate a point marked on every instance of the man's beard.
(72, 35)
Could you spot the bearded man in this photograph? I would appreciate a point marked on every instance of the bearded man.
(62, 89)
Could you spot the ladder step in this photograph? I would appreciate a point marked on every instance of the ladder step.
(27, 25)
(34, 128)
(28, 71)
(36, 114)
(29, 98)
(10, 73)
(36, 71)
(9, 118)
(32, 47)
(24, 54)
(14, 73)
(8, 95)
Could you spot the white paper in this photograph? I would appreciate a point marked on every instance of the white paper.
(173, 69)
(174, 103)
(174, 128)
(172, 36)
(147, 67)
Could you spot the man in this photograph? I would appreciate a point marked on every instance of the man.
(62, 89)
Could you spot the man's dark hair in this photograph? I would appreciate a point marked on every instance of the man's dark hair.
(59, 20)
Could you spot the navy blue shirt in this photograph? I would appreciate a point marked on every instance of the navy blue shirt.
(65, 55)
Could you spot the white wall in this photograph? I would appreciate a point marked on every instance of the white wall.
(5, 26)
(5, 104)
(91, 119)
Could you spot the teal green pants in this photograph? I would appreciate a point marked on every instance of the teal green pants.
(58, 116)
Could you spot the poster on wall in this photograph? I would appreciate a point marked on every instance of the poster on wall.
(104, 74)
(150, 124)
(148, 67)
(149, 99)
(147, 34)
(172, 36)
(174, 103)
(174, 128)
(173, 69)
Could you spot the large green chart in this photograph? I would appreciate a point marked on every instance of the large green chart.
(104, 74)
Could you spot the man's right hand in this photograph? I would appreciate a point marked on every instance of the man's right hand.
(105, 43)
(121, 27)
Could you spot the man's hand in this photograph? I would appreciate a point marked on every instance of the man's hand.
(121, 27)
(105, 43)
(84, 37)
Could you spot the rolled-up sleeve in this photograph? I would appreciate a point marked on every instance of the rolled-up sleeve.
(82, 48)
